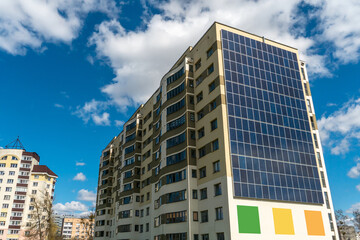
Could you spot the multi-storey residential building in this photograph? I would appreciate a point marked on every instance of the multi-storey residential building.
(22, 180)
(77, 228)
(226, 148)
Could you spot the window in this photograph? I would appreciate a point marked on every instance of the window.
(2, 173)
(210, 69)
(8, 189)
(176, 177)
(175, 217)
(196, 236)
(175, 140)
(213, 125)
(195, 216)
(192, 134)
(219, 213)
(204, 216)
(202, 172)
(4, 158)
(6, 197)
(175, 107)
(2, 165)
(213, 105)
(204, 236)
(216, 166)
(316, 142)
(217, 189)
(319, 159)
(193, 173)
(129, 161)
(174, 92)
(323, 178)
(13, 173)
(202, 152)
(192, 100)
(212, 86)
(176, 123)
(130, 137)
(131, 126)
(10, 181)
(199, 97)
(203, 193)
(175, 76)
(130, 149)
(200, 114)
(215, 145)
(198, 64)
(210, 52)
(191, 82)
(201, 133)
(220, 236)
(14, 158)
(194, 194)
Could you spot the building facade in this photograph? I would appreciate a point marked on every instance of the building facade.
(77, 228)
(226, 148)
(22, 180)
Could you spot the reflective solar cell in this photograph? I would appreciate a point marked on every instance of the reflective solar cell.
(271, 145)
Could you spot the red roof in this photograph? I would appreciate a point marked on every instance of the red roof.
(43, 169)
(32, 154)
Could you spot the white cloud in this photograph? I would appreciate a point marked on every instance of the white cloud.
(80, 177)
(353, 207)
(28, 23)
(141, 57)
(101, 119)
(85, 195)
(358, 187)
(94, 110)
(119, 123)
(70, 207)
(354, 172)
(341, 129)
(339, 24)
(80, 164)
(58, 105)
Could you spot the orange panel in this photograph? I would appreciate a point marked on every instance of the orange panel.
(314, 223)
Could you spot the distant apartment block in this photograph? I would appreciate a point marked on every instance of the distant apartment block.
(77, 228)
(22, 180)
(226, 148)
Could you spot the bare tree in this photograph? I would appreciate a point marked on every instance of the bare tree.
(341, 220)
(356, 219)
(41, 225)
(87, 224)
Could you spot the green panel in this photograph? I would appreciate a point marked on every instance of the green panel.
(248, 219)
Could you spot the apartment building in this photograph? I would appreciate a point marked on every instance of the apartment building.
(77, 228)
(226, 148)
(22, 181)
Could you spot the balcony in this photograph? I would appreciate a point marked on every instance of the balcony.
(17, 209)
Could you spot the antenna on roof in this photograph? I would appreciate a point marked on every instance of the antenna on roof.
(15, 144)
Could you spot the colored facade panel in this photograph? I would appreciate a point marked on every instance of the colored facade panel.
(248, 219)
(283, 221)
(271, 144)
(314, 223)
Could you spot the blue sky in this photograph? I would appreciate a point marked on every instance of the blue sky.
(71, 72)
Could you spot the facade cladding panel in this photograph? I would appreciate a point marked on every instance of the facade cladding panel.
(271, 146)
